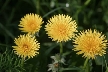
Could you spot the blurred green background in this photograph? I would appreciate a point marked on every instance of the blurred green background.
(87, 13)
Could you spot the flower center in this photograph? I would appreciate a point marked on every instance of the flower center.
(25, 47)
(32, 25)
(62, 30)
(91, 44)
(56, 65)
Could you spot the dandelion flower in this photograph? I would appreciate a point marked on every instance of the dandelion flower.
(90, 43)
(61, 28)
(26, 46)
(30, 23)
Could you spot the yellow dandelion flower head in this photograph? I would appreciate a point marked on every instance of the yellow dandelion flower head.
(26, 46)
(90, 43)
(30, 23)
(61, 28)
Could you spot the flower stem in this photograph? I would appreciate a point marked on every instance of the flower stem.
(61, 48)
(106, 69)
(85, 67)
(106, 65)
(22, 63)
(61, 51)
(37, 6)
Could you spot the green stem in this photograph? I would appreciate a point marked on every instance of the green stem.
(61, 48)
(106, 64)
(22, 62)
(61, 51)
(106, 69)
(37, 6)
(85, 67)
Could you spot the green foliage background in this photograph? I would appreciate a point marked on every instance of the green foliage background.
(87, 13)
